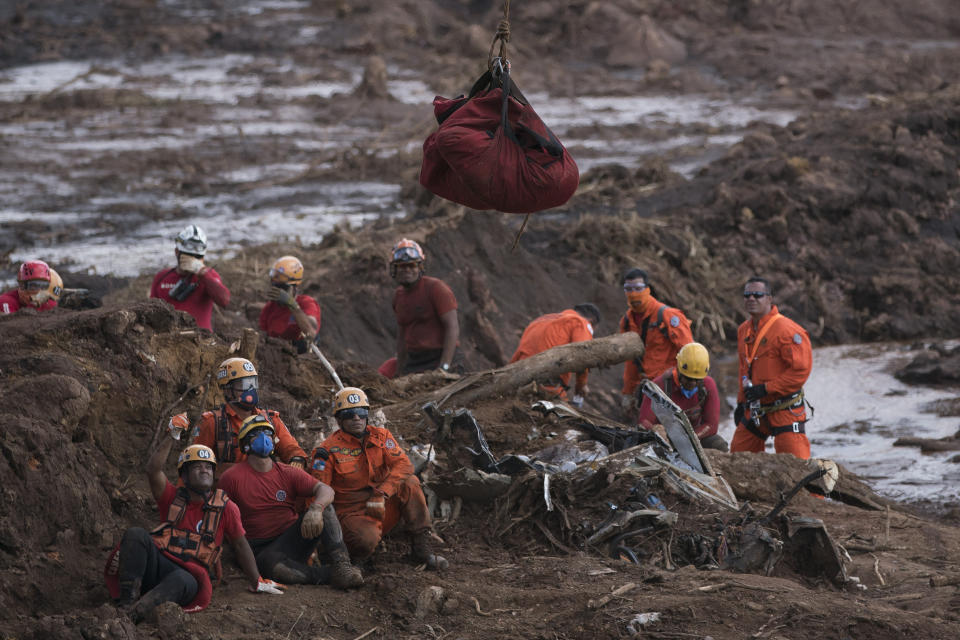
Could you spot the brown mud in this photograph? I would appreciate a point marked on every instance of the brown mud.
(852, 213)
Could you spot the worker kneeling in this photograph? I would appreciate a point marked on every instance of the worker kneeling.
(373, 482)
(283, 539)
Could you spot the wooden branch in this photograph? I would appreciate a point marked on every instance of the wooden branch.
(543, 366)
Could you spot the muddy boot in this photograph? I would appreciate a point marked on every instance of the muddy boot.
(422, 551)
(139, 610)
(343, 575)
(129, 593)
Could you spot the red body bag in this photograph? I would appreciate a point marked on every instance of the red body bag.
(492, 151)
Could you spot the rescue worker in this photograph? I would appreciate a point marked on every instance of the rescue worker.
(775, 360)
(695, 392)
(191, 286)
(663, 330)
(288, 315)
(556, 329)
(219, 429)
(282, 538)
(33, 289)
(173, 562)
(426, 311)
(373, 482)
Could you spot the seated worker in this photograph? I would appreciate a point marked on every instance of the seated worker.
(33, 289)
(288, 315)
(283, 539)
(689, 386)
(553, 330)
(173, 562)
(218, 429)
(426, 311)
(191, 286)
(373, 482)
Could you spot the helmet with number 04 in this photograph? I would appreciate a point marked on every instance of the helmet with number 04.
(56, 285)
(234, 369)
(286, 270)
(693, 361)
(196, 453)
(349, 398)
(192, 240)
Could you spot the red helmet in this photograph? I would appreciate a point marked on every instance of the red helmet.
(407, 251)
(34, 270)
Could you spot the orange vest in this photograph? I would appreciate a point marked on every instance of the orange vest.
(192, 545)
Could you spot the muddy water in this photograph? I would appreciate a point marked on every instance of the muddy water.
(861, 409)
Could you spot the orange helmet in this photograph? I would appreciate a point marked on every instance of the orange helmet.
(286, 270)
(56, 285)
(407, 251)
(234, 369)
(350, 398)
(196, 453)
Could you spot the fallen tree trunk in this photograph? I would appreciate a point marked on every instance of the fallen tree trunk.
(543, 366)
(929, 444)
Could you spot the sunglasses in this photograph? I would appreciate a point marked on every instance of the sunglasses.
(754, 294)
(346, 414)
(34, 285)
(634, 287)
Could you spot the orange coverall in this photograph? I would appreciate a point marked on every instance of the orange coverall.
(660, 351)
(360, 469)
(782, 362)
(228, 451)
(553, 330)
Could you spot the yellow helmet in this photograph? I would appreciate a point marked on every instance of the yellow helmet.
(56, 285)
(349, 398)
(234, 369)
(256, 421)
(196, 453)
(286, 270)
(693, 361)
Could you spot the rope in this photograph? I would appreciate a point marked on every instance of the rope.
(503, 35)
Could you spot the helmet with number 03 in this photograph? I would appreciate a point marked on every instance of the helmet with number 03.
(196, 453)
(33, 270)
(235, 369)
(254, 422)
(693, 361)
(56, 285)
(349, 398)
(192, 240)
(286, 270)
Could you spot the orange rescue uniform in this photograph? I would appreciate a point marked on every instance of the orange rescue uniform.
(553, 330)
(223, 440)
(782, 362)
(665, 330)
(361, 469)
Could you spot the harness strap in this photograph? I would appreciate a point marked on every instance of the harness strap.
(758, 338)
(796, 427)
(792, 401)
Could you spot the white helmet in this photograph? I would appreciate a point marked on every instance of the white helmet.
(192, 240)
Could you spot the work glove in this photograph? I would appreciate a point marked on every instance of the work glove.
(754, 393)
(661, 431)
(629, 407)
(189, 264)
(577, 401)
(738, 413)
(268, 586)
(376, 507)
(281, 296)
(312, 525)
(177, 425)
(40, 297)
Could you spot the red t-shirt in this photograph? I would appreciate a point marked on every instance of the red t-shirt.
(198, 304)
(230, 523)
(704, 420)
(278, 321)
(10, 302)
(418, 310)
(267, 500)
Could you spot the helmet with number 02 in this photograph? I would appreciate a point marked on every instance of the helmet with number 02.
(286, 270)
(192, 240)
(56, 285)
(693, 361)
(196, 453)
(235, 369)
(349, 398)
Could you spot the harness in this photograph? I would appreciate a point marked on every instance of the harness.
(659, 324)
(197, 546)
(226, 445)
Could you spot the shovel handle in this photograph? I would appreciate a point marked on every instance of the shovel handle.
(326, 363)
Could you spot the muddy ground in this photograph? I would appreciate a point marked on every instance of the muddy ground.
(852, 213)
